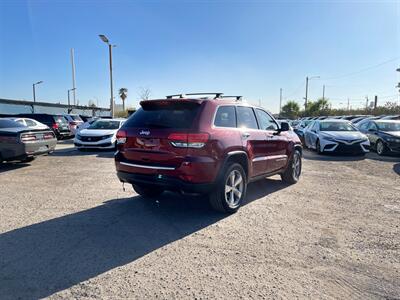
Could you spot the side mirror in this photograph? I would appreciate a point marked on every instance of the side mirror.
(284, 126)
(371, 130)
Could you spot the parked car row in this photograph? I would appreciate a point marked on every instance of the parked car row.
(62, 125)
(24, 136)
(350, 134)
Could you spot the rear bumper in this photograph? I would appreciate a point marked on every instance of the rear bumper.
(21, 151)
(165, 182)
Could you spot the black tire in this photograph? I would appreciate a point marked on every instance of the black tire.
(381, 148)
(293, 170)
(218, 198)
(318, 147)
(147, 191)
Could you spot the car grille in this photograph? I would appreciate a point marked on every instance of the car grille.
(345, 148)
(92, 138)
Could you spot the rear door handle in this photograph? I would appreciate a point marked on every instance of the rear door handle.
(245, 135)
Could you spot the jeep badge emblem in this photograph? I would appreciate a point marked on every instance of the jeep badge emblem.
(144, 132)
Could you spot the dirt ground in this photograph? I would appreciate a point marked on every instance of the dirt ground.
(68, 230)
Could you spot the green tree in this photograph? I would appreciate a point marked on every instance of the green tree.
(291, 110)
(318, 108)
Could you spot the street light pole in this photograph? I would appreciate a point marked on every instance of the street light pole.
(280, 102)
(69, 101)
(105, 40)
(34, 94)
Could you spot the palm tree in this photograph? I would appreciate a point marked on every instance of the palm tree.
(123, 94)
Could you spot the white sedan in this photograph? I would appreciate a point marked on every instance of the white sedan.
(100, 134)
(333, 135)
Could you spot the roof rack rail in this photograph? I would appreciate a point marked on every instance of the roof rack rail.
(238, 98)
(177, 95)
(217, 95)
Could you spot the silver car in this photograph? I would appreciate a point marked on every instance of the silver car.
(335, 135)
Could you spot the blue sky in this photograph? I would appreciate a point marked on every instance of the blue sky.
(252, 48)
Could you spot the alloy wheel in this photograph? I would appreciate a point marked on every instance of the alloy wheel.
(379, 147)
(296, 165)
(234, 187)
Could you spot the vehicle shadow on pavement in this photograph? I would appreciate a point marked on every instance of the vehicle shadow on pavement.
(41, 259)
(9, 166)
(311, 155)
(75, 152)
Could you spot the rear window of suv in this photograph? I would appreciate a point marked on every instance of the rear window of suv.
(60, 119)
(174, 115)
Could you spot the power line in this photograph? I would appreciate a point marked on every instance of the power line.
(362, 70)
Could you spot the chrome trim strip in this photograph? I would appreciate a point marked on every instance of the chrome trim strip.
(260, 158)
(147, 167)
(276, 157)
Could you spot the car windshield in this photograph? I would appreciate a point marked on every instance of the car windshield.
(105, 124)
(388, 126)
(337, 126)
(10, 124)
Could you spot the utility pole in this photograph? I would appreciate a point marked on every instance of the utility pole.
(348, 104)
(398, 86)
(375, 102)
(280, 102)
(73, 75)
(306, 98)
(366, 103)
(323, 92)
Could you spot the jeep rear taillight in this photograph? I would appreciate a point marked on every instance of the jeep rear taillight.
(121, 137)
(188, 140)
(54, 126)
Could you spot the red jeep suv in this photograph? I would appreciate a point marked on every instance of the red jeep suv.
(213, 146)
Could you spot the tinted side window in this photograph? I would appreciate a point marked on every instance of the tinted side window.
(315, 126)
(372, 125)
(246, 117)
(265, 120)
(364, 126)
(225, 117)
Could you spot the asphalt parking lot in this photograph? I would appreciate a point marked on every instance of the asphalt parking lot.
(68, 230)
